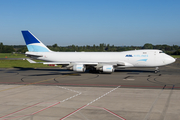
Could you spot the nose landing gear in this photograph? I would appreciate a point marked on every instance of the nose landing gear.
(156, 70)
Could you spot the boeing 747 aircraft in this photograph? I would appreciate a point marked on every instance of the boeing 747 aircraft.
(101, 61)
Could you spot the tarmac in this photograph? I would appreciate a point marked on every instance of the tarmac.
(58, 94)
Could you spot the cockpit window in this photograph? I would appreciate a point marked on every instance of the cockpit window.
(161, 52)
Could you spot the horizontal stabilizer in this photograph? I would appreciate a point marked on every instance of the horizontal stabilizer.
(31, 55)
(31, 61)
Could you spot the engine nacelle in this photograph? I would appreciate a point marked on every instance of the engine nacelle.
(79, 68)
(108, 68)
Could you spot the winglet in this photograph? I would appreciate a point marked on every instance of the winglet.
(33, 43)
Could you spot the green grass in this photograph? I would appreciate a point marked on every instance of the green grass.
(175, 56)
(11, 55)
(20, 63)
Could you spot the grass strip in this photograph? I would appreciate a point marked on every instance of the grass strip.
(20, 63)
(12, 55)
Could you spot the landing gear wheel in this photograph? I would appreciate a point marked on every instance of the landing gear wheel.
(156, 70)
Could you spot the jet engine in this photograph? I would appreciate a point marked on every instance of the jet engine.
(107, 69)
(79, 68)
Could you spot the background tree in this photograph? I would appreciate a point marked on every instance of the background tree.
(1, 47)
(177, 52)
(147, 46)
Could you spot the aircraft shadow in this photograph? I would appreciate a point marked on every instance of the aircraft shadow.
(41, 69)
(138, 71)
(65, 71)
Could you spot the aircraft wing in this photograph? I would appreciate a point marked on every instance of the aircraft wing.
(112, 63)
(82, 62)
(56, 63)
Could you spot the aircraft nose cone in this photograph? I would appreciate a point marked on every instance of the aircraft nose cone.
(169, 60)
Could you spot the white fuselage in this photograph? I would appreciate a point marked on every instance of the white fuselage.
(134, 58)
(102, 61)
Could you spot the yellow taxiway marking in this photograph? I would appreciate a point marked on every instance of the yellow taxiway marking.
(31, 83)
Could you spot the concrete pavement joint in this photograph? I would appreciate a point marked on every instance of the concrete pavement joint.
(109, 112)
(89, 103)
(163, 114)
(149, 112)
(40, 103)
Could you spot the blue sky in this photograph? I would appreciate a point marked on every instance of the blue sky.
(88, 22)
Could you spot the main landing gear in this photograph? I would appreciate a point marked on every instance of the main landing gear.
(156, 70)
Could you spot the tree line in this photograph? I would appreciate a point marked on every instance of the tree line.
(171, 50)
(6, 48)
